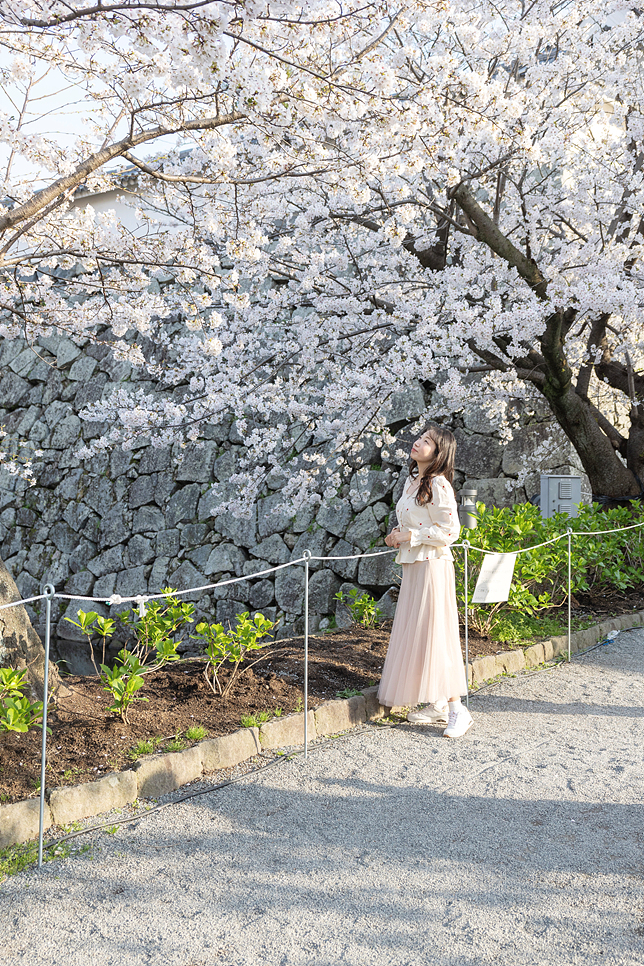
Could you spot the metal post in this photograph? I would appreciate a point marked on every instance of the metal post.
(466, 546)
(569, 532)
(49, 590)
(307, 557)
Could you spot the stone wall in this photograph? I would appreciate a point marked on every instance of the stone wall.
(135, 522)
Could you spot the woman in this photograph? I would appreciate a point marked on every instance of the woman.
(424, 664)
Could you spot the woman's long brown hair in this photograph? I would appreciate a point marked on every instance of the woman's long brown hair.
(442, 463)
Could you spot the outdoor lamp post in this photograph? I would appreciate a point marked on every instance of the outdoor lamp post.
(467, 509)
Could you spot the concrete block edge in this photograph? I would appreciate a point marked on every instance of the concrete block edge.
(28, 804)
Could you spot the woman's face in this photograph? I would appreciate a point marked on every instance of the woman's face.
(423, 449)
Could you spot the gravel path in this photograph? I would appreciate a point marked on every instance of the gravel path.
(522, 843)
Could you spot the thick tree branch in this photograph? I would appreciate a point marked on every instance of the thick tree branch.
(45, 196)
(490, 235)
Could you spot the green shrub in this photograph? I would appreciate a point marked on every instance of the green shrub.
(154, 644)
(362, 607)
(232, 646)
(612, 561)
(17, 712)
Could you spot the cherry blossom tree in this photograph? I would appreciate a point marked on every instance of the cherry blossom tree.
(360, 196)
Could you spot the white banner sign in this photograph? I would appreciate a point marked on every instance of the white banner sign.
(495, 578)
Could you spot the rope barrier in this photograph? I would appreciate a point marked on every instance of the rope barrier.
(142, 599)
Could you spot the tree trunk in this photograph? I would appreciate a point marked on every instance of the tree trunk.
(20, 646)
(608, 475)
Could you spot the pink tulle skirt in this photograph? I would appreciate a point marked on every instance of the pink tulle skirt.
(424, 661)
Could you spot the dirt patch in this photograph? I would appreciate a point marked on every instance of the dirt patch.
(86, 741)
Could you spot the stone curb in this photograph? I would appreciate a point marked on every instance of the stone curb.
(483, 669)
(156, 775)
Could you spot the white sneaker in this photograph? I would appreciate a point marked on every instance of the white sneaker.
(460, 720)
(430, 714)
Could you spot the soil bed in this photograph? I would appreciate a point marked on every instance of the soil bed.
(86, 741)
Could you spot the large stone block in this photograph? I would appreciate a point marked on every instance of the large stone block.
(67, 433)
(510, 661)
(229, 750)
(167, 543)
(368, 487)
(80, 583)
(155, 459)
(99, 494)
(478, 456)
(378, 571)
(63, 537)
(149, 519)
(161, 774)
(141, 492)
(323, 586)
(271, 520)
(335, 716)
(187, 576)
(335, 518)
(132, 582)
(289, 589)
(182, 505)
(20, 822)
(548, 438)
(373, 708)
(139, 551)
(364, 530)
(89, 392)
(262, 593)
(315, 542)
(534, 655)
(24, 362)
(484, 668)
(225, 558)
(13, 390)
(107, 562)
(347, 569)
(227, 611)
(548, 650)
(407, 404)
(82, 370)
(284, 732)
(114, 527)
(197, 462)
(82, 801)
(272, 549)
(240, 530)
(495, 492)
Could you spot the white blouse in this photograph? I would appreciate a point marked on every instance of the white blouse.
(433, 526)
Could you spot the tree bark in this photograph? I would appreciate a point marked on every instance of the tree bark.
(20, 646)
(608, 475)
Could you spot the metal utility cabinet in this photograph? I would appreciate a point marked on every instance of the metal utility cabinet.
(560, 494)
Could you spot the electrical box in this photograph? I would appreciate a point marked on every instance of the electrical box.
(560, 494)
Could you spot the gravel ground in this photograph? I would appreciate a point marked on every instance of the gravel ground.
(522, 843)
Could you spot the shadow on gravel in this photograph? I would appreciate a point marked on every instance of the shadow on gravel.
(266, 874)
(491, 703)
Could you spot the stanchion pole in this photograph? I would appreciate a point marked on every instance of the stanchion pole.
(307, 557)
(569, 532)
(466, 547)
(49, 591)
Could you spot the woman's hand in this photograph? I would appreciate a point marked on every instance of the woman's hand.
(391, 538)
(396, 537)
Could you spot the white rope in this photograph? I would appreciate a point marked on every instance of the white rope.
(561, 536)
(142, 599)
(504, 553)
(380, 553)
(28, 600)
